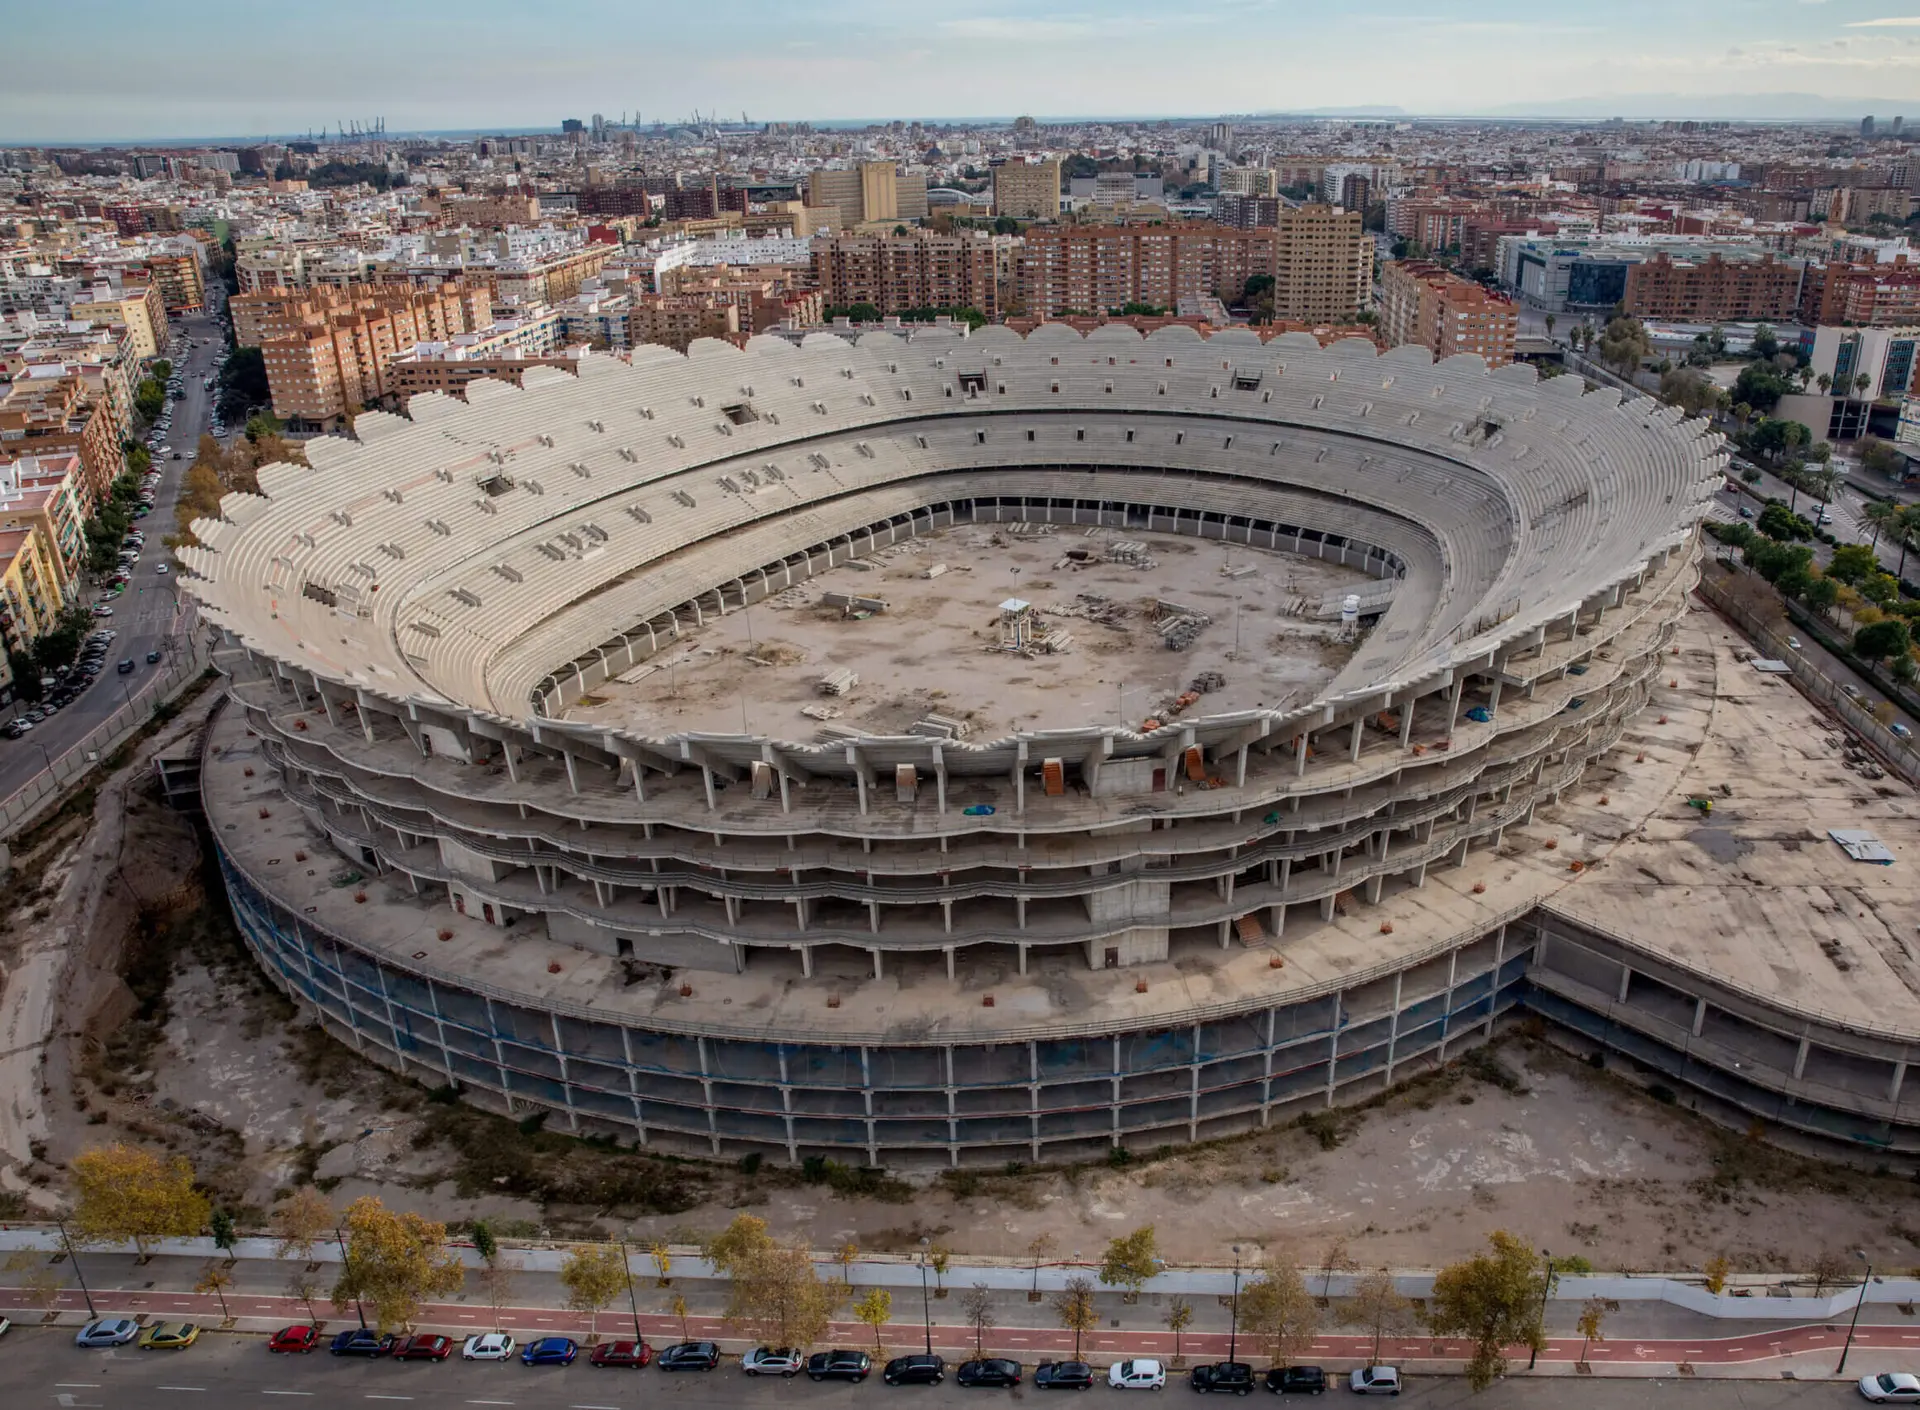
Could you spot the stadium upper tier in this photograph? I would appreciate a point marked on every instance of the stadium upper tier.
(498, 558)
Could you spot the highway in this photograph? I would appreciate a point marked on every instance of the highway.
(41, 1367)
(145, 614)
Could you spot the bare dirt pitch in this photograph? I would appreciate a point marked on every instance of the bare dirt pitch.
(935, 649)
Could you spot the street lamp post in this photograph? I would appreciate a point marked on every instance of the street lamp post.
(926, 1304)
(1861, 1254)
(632, 1301)
(1233, 1308)
(74, 1258)
(346, 1262)
(1546, 1291)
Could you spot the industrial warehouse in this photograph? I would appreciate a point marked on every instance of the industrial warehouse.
(960, 749)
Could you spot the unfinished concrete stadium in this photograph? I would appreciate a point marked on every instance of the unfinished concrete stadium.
(573, 762)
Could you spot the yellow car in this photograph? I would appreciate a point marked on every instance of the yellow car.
(169, 1336)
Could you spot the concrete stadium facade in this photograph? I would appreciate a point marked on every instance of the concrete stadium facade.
(405, 623)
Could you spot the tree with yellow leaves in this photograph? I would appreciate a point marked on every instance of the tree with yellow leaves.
(126, 1193)
(300, 1221)
(876, 1310)
(593, 1276)
(394, 1262)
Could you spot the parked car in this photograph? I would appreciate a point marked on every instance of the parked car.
(989, 1371)
(297, 1338)
(487, 1346)
(1297, 1380)
(550, 1351)
(362, 1341)
(690, 1356)
(917, 1370)
(1891, 1386)
(1235, 1377)
(1375, 1380)
(107, 1331)
(100, 609)
(423, 1346)
(771, 1361)
(1138, 1374)
(1062, 1375)
(621, 1353)
(839, 1365)
(169, 1336)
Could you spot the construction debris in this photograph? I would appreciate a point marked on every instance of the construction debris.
(940, 727)
(1178, 625)
(1207, 682)
(821, 712)
(852, 606)
(840, 682)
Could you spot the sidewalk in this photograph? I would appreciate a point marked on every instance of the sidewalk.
(1648, 1337)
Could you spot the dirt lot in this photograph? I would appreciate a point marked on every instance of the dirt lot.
(936, 647)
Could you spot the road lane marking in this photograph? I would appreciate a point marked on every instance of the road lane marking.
(198, 1388)
(76, 1385)
(489, 1402)
(286, 1392)
(389, 1397)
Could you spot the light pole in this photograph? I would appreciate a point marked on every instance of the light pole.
(1233, 1308)
(1546, 1291)
(1861, 1254)
(632, 1301)
(926, 1305)
(74, 1258)
(346, 1262)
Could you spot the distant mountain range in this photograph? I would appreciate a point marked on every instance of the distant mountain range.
(1715, 107)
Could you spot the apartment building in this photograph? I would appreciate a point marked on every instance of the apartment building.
(1090, 269)
(53, 412)
(178, 277)
(1425, 304)
(493, 210)
(48, 494)
(896, 273)
(140, 308)
(676, 320)
(1247, 212)
(333, 356)
(1322, 264)
(1862, 295)
(457, 306)
(1027, 190)
(31, 598)
(870, 192)
(448, 367)
(1714, 289)
(1249, 181)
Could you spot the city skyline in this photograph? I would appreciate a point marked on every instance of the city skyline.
(506, 68)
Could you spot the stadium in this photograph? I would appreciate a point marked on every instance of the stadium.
(956, 749)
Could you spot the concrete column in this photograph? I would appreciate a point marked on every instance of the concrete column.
(1374, 884)
(1277, 919)
(1406, 718)
(1020, 904)
(1493, 699)
(1023, 958)
(1453, 703)
(873, 917)
(1353, 746)
(799, 912)
(1899, 1077)
(1626, 978)
(946, 908)
(1800, 1058)
(706, 777)
(876, 963)
(1699, 1016)
(1493, 991)
(1300, 755)
(1393, 1029)
(1326, 907)
(806, 960)
(1226, 933)
(949, 950)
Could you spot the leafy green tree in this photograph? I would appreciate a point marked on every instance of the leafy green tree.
(1881, 457)
(483, 1241)
(162, 369)
(220, 1226)
(1131, 1260)
(1773, 561)
(1277, 1308)
(1074, 1306)
(1852, 563)
(1497, 1299)
(1765, 344)
(1776, 521)
(1624, 345)
(149, 400)
(1881, 589)
(1821, 595)
(1878, 640)
(876, 1310)
(1761, 385)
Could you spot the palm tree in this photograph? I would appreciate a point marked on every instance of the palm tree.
(1550, 323)
(1906, 524)
(1883, 516)
(1862, 382)
(1825, 481)
(1742, 413)
(1824, 382)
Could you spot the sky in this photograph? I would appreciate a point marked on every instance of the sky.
(103, 70)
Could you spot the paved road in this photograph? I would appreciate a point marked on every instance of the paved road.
(145, 614)
(40, 1367)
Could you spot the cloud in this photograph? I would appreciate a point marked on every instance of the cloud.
(1069, 25)
(1894, 22)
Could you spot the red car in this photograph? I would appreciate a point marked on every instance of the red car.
(621, 1353)
(294, 1339)
(426, 1346)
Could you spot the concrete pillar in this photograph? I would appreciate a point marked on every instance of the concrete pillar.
(1800, 1058)
(1277, 920)
(1493, 991)
(876, 962)
(1300, 755)
(1699, 1016)
(799, 912)
(1899, 1077)
(1374, 884)
(949, 950)
(1023, 957)
(873, 917)
(1326, 907)
(1493, 698)
(1626, 978)
(1406, 718)
(1353, 746)
(946, 908)
(706, 777)
(1020, 906)
(806, 961)
(1453, 703)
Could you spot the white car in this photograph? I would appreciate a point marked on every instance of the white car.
(1793, 643)
(161, 569)
(1137, 1374)
(488, 1346)
(771, 1361)
(1375, 1380)
(1891, 1386)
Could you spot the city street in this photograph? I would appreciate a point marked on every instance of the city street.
(44, 1368)
(145, 615)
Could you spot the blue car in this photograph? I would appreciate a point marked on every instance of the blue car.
(550, 1351)
(361, 1341)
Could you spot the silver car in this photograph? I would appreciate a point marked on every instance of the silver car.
(108, 1331)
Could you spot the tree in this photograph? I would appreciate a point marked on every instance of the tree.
(1038, 1247)
(1277, 1308)
(939, 1256)
(305, 1286)
(1593, 1314)
(1881, 456)
(593, 1276)
(216, 1278)
(1333, 1259)
(1878, 640)
(40, 1279)
(1778, 522)
(1624, 345)
(483, 1241)
(976, 1303)
(1765, 344)
(1821, 595)
(161, 369)
(734, 1248)
(126, 1193)
(1716, 1270)
(1776, 440)
(1130, 1262)
(876, 1310)
(662, 1260)
(1852, 563)
(1688, 390)
(497, 1278)
(300, 1221)
(394, 1262)
(1550, 322)
(1377, 1308)
(220, 1226)
(1824, 382)
(678, 1307)
(1829, 1267)
(1073, 1305)
(1881, 589)
(1179, 1317)
(773, 1288)
(1496, 1298)
(1760, 385)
